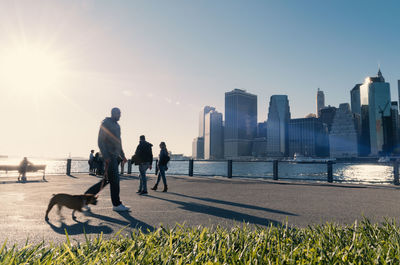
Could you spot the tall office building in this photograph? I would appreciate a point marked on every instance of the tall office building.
(355, 99)
(326, 116)
(393, 129)
(213, 136)
(307, 137)
(277, 125)
(343, 137)
(320, 101)
(240, 123)
(375, 106)
(200, 143)
(198, 148)
(262, 129)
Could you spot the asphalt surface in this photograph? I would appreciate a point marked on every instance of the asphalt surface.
(191, 201)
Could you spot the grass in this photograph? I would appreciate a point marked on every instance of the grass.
(360, 243)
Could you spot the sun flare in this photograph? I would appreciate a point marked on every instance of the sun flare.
(29, 69)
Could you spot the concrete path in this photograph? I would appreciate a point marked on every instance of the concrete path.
(190, 200)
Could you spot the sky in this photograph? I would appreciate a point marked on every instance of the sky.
(65, 64)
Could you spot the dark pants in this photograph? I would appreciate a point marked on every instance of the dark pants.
(113, 179)
(161, 174)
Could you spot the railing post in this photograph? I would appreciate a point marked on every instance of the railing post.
(156, 167)
(69, 162)
(191, 167)
(329, 168)
(129, 166)
(275, 169)
(229, 168)
(396, 172)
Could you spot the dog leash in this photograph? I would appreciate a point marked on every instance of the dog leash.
(105, 176)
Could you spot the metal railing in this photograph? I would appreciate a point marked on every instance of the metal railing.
(275, 167)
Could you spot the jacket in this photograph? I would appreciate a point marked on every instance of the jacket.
(109, 140)
(143, 153)
(163, 158)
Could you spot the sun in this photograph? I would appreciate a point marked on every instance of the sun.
(30, 68)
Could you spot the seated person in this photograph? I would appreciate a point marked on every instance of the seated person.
(23, 166)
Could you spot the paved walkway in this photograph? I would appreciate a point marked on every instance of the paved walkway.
(191, 200)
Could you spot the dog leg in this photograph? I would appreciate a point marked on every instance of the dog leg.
(51, 204)
(73, 215)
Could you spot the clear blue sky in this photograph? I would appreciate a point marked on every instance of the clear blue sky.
(161, 61)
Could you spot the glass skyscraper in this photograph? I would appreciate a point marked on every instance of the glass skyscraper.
(277, 125)
(213, 136)
(375, 106)
(240, 123)
(355, 99)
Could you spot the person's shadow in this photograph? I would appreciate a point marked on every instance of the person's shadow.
(130, 221)
(80, 228)
(220, 212)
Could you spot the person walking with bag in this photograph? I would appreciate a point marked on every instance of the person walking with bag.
(163, 160)
(110, 145)
(143, 158)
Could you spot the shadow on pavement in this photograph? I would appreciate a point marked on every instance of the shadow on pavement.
(80, 228)
(220, 212)
(134, 223)
(131, 221)
(242, 205)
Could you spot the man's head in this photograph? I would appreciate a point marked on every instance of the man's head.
(92, 151)
(115, 114)
(142, 138)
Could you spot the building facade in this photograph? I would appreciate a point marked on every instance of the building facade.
(326, 116)
(355, 99)
(343, 137)
(320, 101)
(307, 137)
(198, 148)
(277, 126)
(240, 123)
(375, 106)
(213, 137)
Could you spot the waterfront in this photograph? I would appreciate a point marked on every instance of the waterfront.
(372, 173)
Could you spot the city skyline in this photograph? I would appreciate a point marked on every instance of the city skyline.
(61, 61)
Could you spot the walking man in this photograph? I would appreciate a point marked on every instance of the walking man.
(144, 156)
(110, 145)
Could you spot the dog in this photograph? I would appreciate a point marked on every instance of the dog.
(75, 202)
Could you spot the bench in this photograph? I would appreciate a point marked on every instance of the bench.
(29, 168)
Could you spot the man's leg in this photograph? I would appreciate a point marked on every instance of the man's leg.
(113, 177)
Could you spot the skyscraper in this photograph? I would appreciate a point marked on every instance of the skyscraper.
(355, 99)
(375, 106)
(343, 137)
(213, 136)
(240, 123)
(199, 150)
(320, 101)
(277, 125)
(326, 116)
(307, 137)
(203, 113)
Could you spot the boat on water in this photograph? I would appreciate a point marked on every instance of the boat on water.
(384, 159)
(301, 158)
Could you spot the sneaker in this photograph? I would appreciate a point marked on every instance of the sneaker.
(86, 207)
(121, 208)
(143, 193)
(139, 191)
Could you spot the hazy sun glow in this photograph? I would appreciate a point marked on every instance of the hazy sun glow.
(29, 68)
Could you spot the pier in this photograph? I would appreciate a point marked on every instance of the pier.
(206, 201)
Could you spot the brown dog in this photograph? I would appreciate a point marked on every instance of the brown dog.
(75, 202)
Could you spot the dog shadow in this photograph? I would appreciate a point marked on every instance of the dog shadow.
(130, 221)
(79, 228)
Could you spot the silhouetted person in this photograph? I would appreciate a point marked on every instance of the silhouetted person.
(110, 145)
(98, 164)
(163, 160)
(23, 167)
(91, 162)
(144, 158)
